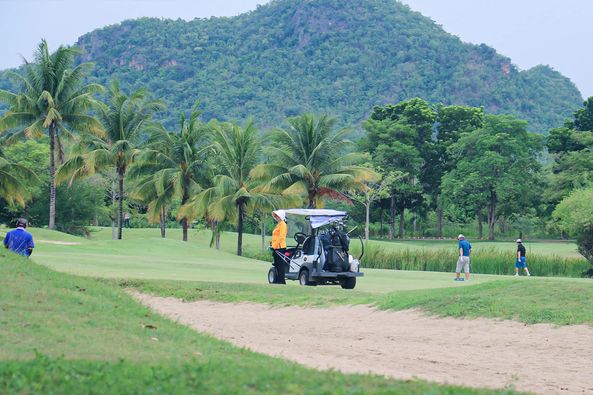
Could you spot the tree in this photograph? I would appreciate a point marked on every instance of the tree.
(14, 180)
(309, 157)
(373, 191)
(398, 138)
(52, 99)
(124, 119)
(574, 215)
(176, 166)
(235, 192)
(451, 122)
(583, 117)
(572, 149)
(496, 168)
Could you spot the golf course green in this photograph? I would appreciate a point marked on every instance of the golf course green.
(143, 254)
(65, 312)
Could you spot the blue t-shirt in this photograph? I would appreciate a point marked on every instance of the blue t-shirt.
(19, 241)
(466, 246)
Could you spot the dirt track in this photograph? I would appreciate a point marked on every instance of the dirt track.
(403, 345)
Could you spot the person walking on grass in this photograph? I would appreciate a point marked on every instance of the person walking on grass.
(127, 220)
(278, 245)
(465, 250)
(521, 261)
(19, 240)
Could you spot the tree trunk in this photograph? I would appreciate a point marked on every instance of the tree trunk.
(480, 227)
(402, 221)
(240, 228)
(367, 220)
(184, 223)
(311, 199)
(184, 228)
(491, 215)
(392, 218)
(217, 236)
(162, 219)
(52, 177)
(113, 210)
(440, 222)
(120, 208)
(381, 231)
(263, 232)
(414, 224)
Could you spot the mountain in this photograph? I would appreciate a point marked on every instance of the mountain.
(335, 56)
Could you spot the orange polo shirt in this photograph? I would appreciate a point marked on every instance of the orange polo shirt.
(279, 235)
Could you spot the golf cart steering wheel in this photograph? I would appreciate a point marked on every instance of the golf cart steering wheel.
(300, 238)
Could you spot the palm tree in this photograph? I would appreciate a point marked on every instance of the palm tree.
(14, 179)
(310, 158)
(125, 119)
(51, 100)
(235, 193)
(177, 165)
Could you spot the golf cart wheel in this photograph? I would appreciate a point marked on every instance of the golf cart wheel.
(304, 278)
(272, 275)
(348, 283)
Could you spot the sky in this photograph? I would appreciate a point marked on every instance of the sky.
(530, 32)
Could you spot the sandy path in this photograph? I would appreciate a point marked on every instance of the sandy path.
(63, 243)
(403, 344)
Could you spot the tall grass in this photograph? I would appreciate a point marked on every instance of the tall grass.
(486, 261)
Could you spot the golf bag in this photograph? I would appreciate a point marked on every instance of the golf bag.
(337, 251)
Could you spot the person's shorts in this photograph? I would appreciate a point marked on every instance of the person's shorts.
(521, 263)
(462, 263)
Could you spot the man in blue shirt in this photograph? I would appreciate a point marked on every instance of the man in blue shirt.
(19, 240)
(465, 250)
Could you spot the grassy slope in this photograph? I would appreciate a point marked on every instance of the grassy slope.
(58, 338)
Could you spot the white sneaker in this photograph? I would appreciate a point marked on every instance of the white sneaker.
(516, 274)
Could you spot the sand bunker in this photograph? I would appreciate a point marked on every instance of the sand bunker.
(403, 344)
(63, 243)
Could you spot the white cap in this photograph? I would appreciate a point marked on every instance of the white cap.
(518, 241)
(460, 237)
(280, 213)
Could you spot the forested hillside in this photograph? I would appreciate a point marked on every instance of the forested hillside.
(290, 57)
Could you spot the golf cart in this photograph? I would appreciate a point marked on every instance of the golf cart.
(321, 253)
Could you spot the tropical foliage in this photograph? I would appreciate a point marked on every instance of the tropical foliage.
(51, 99)
(176, 167)
(124, 120)
(310, 157)
(235, 192)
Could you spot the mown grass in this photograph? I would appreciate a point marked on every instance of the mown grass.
(64, 334)
(550, 259)
(543, 301)
(167, 259)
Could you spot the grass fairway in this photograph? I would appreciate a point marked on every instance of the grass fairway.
(65, 334)
(140, 256)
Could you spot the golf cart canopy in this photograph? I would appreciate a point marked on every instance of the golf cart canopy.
(318, 217)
